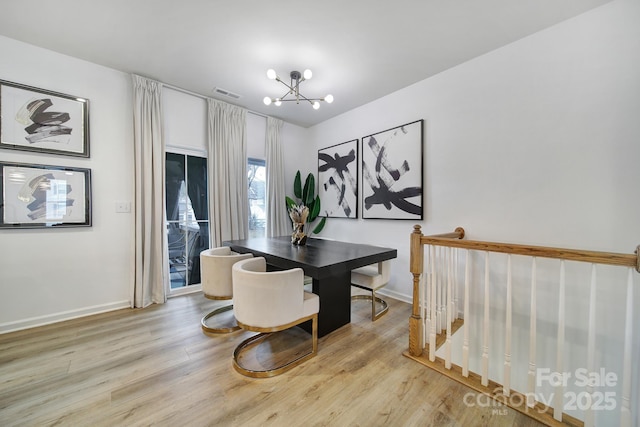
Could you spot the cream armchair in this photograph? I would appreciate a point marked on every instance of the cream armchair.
(215, 275)
(268, 302)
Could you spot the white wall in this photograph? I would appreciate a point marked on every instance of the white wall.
(300, 154)
(536, 142)
(185, 122)
(256, 131)
(46, 275)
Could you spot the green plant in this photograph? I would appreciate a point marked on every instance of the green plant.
(306, 198)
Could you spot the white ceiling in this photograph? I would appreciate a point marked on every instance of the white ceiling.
(358, 50)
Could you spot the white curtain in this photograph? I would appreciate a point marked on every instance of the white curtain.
(278, 222)
(227, 165)
(151, 260)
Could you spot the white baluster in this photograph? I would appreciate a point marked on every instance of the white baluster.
(465, 341)
(456, 264)
(447, 348)
(591, 342)
(442, 289)
(559, 389)
(485, 333)
(506, 389)
(445, 281)
(625, 410)
(425, 280)
(432, 332)
(438, 283)
(452, 301)
(531, 389)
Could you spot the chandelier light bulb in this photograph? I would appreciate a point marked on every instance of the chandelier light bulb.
(293, 90)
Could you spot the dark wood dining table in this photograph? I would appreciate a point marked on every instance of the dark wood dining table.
(327, 262)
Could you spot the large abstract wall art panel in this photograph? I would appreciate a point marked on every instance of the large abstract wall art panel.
(392, 173)
(38, 196)
(338, 180)
(39, 120)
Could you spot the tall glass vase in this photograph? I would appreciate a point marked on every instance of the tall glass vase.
(298, 215)
(298, 237)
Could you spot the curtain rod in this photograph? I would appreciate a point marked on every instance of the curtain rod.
(188, 92)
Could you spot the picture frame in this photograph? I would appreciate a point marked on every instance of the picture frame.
(40, 120)
(338, 180)
(392, 175)
(44, 196)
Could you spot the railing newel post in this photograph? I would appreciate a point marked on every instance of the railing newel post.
(416, 264)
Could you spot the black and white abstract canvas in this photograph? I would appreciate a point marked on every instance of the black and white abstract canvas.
(338, 180)
(39, 120)
(36, 196)
(392, 173)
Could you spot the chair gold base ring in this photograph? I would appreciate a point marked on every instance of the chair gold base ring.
(374, 315)
(267, 373)
(226, 330)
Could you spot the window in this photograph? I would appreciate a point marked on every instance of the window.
(257, 179)
(187, 216)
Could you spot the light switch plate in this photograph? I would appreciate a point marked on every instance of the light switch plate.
(123, 207)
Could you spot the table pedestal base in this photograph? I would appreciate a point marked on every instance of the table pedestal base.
(335, 303)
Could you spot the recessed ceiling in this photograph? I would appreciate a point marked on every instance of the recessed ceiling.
(358, 50)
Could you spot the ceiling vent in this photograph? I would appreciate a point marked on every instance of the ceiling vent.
(227, 93)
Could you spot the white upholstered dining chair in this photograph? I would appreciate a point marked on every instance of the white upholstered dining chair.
(269, 302)
(215, 275)
(371, 278)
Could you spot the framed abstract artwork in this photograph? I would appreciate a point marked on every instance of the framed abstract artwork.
(40, 196)
(392, 173)
(338, 180)
(39, 120)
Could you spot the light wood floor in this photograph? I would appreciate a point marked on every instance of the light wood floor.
(155, 366)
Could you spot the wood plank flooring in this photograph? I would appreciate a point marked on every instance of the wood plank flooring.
(155, 366)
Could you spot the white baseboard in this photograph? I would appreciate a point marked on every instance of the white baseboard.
(103, 308)
(59, 317)
(407, 298)
(396, 295)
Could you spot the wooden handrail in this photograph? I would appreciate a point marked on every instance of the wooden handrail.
(609, 258)
(458, 233)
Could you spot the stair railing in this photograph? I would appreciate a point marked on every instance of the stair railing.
(436, 316)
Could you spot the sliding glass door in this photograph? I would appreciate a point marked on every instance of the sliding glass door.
(187, 216)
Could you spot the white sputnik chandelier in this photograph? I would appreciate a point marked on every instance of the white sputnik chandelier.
(293, 90)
